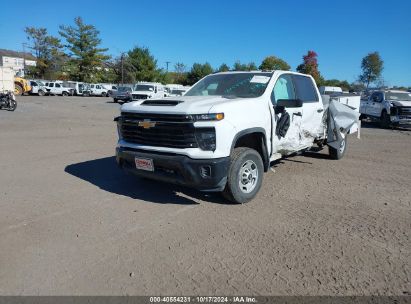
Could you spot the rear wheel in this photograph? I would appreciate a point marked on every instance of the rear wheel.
(385, 121)
(115, 100)
(340, 152)
(104, 94)
(18, 89)
(64, 94)
(41, 93)
(245, 175)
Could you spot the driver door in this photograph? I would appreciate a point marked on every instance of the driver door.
(284, 90)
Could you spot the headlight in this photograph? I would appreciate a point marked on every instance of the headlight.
(118, 123)
(206, 138)
(208, 117)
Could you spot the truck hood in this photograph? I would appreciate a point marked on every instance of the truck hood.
(401, 103)
(180, 104)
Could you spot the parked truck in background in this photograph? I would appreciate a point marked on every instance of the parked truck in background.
(38, 88)
(388, 107)
(224, 132)
(147, 90)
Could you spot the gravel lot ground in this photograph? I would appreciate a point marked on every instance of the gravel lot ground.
(72, 223)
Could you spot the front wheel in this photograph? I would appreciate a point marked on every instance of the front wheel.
(245, 175)
(340, 152)
(385, 120)
(41, 93)
(12, 105)
(64, 94)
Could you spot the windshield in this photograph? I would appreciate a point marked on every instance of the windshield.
(178, 92)
(143, 87)
(124, 89)
(404, 96)
(243, 85)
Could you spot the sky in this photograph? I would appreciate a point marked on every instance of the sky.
(218, 31)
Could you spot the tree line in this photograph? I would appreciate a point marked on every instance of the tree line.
(77, 55)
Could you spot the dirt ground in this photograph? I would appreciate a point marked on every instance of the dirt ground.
(72, 223)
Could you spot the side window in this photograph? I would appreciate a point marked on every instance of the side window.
(305, 89)
(283, 89)
(51, 85)
(376, 97)
(97, 87)
(58, 85)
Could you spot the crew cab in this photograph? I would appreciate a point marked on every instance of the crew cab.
(224, 132)
(58, 88)
(146, 90)
(389, 107)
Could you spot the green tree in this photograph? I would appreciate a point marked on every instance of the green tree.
(274, 63)
(83, 42)
(337, 83)
(143, 65)
(47, 50)
(310, 66)
(223, 68)
(198, 71)
(180, 75)
(238, 66)
(372, 66)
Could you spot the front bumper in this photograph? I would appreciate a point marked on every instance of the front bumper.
(400, 120)
(178, 169)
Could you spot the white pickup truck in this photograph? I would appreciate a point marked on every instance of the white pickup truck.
(146, 90)
(224, 132)
(389, 107)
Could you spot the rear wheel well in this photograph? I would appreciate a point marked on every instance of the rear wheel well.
(256, 141)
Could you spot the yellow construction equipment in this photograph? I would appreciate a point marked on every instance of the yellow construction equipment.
(21, 86)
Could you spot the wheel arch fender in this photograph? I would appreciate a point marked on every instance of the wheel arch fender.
(254, 138)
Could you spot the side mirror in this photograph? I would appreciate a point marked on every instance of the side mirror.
(289, 103)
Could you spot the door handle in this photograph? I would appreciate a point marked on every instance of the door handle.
(320, 110)
(298, 114)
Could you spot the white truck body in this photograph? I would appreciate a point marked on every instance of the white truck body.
(38, 87)
(207, 127)
(389, 107)
(147, 90)
(6, 79)
(58, 88)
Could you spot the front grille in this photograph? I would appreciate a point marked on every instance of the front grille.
(404, 111)
(139, 96)
(173, 131)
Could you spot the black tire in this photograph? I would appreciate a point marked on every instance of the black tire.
(340, 152)
(13, 105)
(115, 100)
(385, 120)
(18, 89)
(236, 191)
(40, 93)
(104, 94)
(64, 94)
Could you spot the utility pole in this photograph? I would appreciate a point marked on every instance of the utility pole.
(122, 69)
(167, 63)
(24, 59)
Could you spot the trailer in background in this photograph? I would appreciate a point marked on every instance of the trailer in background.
(6, 79)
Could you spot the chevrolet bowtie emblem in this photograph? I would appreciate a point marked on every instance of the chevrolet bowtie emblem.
(146, 124)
